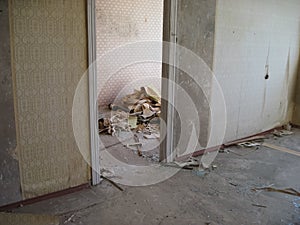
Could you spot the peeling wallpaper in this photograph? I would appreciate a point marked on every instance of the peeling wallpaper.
(253, 38)
(49, 58)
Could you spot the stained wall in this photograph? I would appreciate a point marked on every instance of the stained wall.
(9, 166)
(256, 57)
(49, 52)
(195, 30)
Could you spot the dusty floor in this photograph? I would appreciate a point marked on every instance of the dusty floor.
(116, 145)
(223, 196)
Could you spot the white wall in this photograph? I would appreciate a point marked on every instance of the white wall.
(246, 33)
(120, 22)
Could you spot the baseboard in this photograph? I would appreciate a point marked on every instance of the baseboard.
(217, 148)
(43, 197)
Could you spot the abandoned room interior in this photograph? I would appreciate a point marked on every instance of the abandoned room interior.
(149, 112)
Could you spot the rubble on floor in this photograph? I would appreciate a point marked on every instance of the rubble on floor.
(139, 109)
(191, 161)
(249, 144)
(260, 140)
(282, 133)
(138, 113)
(289, 191)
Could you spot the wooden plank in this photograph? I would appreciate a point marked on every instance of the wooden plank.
(282, 149)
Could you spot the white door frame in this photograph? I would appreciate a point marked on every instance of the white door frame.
(169, 55)
(167, 151)
(93, 106)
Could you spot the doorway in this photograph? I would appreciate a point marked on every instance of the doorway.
(128, 104)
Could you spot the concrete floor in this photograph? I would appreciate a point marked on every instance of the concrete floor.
(223, 196)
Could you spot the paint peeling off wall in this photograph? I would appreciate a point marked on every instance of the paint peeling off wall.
(50, 57)
(121, 22)
(254, 39)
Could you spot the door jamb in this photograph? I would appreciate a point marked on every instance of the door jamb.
(168, 88)
(93, 106)
(168, 75)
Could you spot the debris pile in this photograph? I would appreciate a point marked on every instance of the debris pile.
(282, 133)
(138, 110)
(118, 122)
(144, 104)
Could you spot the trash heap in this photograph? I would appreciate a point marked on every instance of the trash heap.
(136, 112)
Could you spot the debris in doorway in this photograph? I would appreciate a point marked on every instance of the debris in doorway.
(118, 122)
(152, 157)
(104, 125)
(151, 129)
(260, 206)
(289, 191)
(107, 173)
(249, 144)
(132, 121)
(136, 138)
(145, 103)
(282, 133)
(114, 107)
(133, 144)
(190, 162)
(141, 108)
(151, 136)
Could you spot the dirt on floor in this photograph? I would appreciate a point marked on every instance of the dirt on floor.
(222, 196)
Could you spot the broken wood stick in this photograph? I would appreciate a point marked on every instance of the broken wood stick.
(112, 182)
(133, 144)
(289, 191)
(282, 149)
(137, 140)
(260, 206)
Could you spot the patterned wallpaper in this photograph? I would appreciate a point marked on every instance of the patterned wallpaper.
(50, 56)
(120, 22)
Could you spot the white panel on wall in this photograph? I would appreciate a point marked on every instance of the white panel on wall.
(250, 35)
(121, 22)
